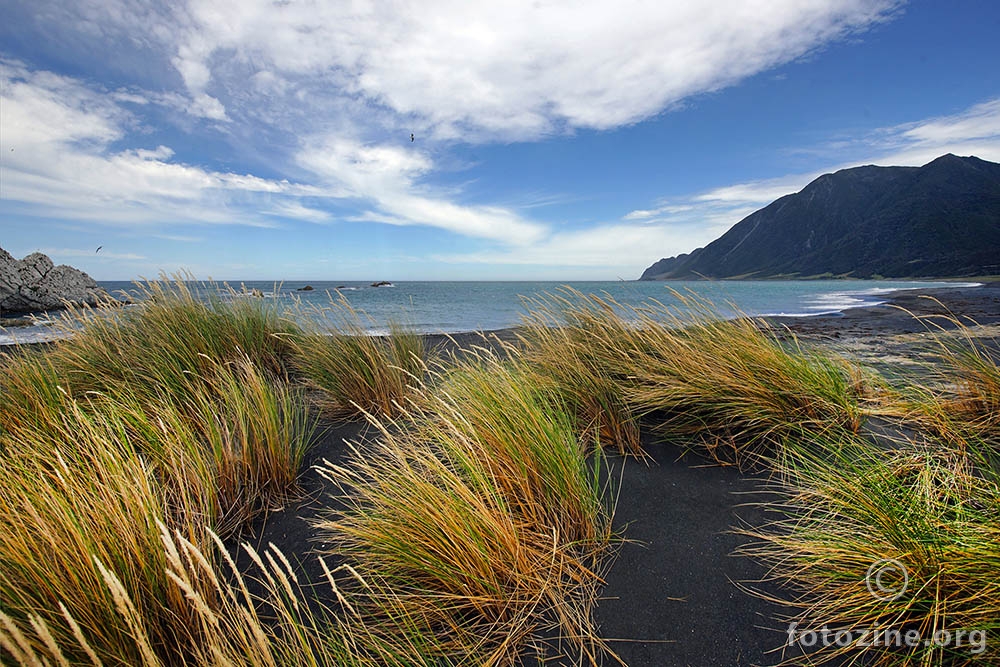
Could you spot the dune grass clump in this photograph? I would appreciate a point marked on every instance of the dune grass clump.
(355, 371)
(154, 415)
(237, 443)
(177, 331)
(581, 348)
(960, 399)
(226, 624)
(848, 518)
(733, 386)
(78, 509)
(483, 517)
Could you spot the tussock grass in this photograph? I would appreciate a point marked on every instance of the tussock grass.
(357, 372)
(960, 399)
(483, 518)
(926, 498)
(157, 414)
(931, 511)
(580, 347)
(733, 386)
(475, 526)
(227, 625)
(77, 504)
(178, 333)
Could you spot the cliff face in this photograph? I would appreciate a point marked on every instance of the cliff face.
(942, 219)
(34, 284)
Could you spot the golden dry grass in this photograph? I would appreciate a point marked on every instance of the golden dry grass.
(483, 516)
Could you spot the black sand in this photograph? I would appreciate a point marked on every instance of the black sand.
(673, 594)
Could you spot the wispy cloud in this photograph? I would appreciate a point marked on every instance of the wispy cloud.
(470, 71)
(179, 238)
(617, 249)
(59, 137)
(388, 177)
(325, 91)
(56, 254)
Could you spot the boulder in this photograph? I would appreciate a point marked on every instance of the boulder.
(33, 284)
(307, 288)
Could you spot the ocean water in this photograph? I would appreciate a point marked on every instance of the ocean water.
(450, 307)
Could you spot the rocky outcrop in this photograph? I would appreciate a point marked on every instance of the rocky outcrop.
(34, 284)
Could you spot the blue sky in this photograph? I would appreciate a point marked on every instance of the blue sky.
(251, 139)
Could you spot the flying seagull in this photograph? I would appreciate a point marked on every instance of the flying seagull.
(411, 136)
(98, 248)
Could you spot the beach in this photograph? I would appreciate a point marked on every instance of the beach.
(674, 591)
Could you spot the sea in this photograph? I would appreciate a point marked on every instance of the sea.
(453, 307)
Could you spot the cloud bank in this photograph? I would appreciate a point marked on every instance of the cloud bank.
(326, 95)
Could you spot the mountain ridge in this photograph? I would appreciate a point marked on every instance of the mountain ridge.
(938, 220)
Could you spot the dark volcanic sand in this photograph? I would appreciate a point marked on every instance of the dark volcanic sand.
(671, 596)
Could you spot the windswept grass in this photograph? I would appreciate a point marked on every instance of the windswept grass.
(925, 500)
(733, 386)
(153, 415)
(475, 526)
(179, 333)
(929, 511)
(960, 399)
(358, 372)
(76, 505)
(226, 623)
(581, 348)
(484, 519)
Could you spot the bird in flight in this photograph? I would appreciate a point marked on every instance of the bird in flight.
(411, 136)
(98, 248)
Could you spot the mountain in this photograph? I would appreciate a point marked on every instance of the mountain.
(939, 220)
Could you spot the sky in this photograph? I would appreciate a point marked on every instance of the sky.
(271, 139)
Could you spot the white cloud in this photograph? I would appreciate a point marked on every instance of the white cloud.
(473, 71)
(179, 238)
(341, 77)
(444, 69)
(617, 250)
(388, 177)
(56, 254)
(974, 131)
(980, 122)
(62, 162)
(63, 165)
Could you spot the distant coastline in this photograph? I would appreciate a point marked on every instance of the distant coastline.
(449, 308)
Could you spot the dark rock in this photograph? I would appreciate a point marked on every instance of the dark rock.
(939, 220)
(382, 283)
(33, 284)
(307, 288)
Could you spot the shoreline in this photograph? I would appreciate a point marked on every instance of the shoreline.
(895, 315)
(962, 299)
(980, 303)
